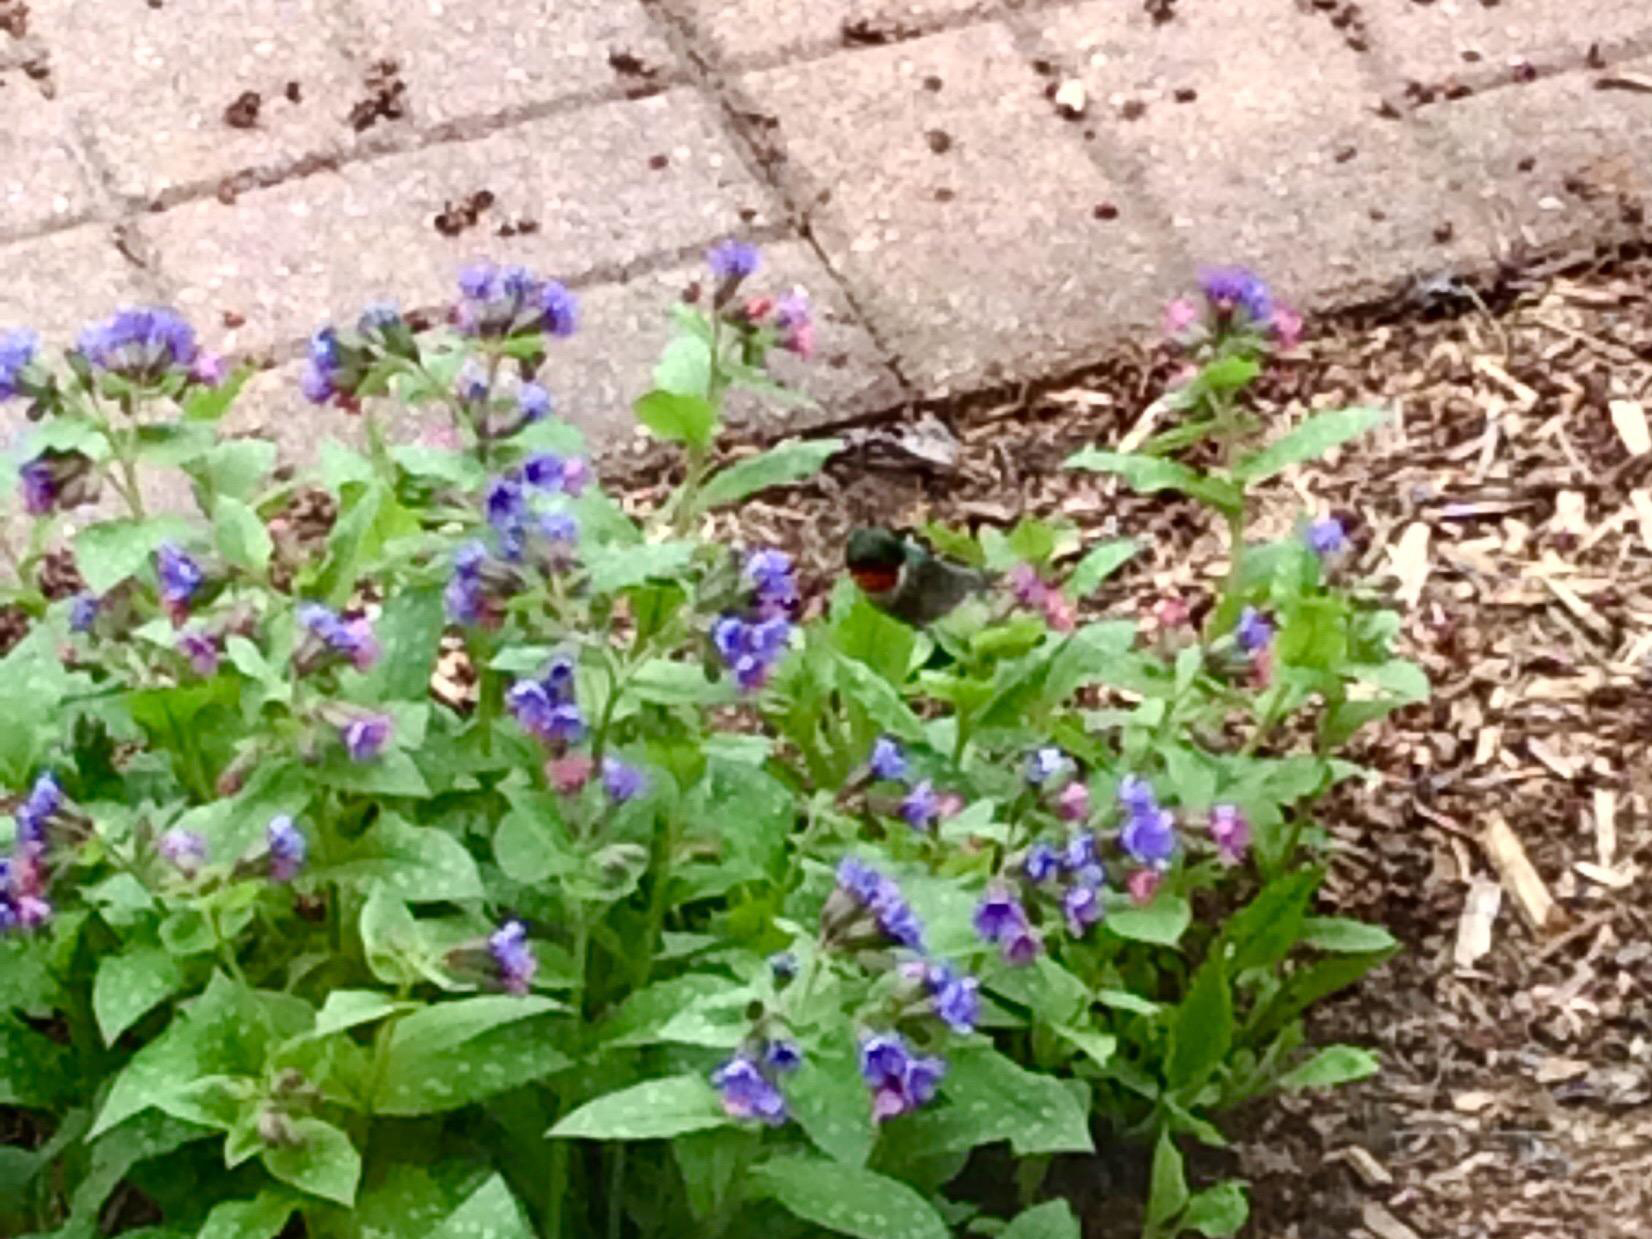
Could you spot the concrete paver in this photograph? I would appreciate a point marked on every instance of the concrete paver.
(940, 183)
(151, 85)
(42, 182)
(743, 31)
(463, 60)
(1265, 150)
(290, 258)
(59, 282)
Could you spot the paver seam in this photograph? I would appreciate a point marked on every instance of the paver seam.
(715, 86)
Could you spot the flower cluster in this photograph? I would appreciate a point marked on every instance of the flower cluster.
(1001, 919)
(1030, 591)
(749, 1081)
(1075, 873)
(55, 481)
(1326, 536)
(1148, 835)
(338, 361)
(900, 1079)
(545, 708)
(921, 806)
(179, 579)
(955, 997)
(365, 735)
(498, 302)
(751, 649)
(1254, 636)
(200, 648)
(287, 848)
(516, 510)
(868, 905)
(17, 351)
(1237, 301)
(23, 903)
(513, 956)
(141, 345)
(329, 635)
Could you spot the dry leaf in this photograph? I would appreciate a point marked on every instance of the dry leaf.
(1519, 877)
(1614, 878)
(1629, 418)
(1485, 897)
(1384, 1224)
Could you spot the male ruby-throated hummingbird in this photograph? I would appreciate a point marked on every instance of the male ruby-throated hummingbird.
(904, 580)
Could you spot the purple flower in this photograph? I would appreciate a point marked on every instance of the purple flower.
(1042, 863)
(545, 708)
(559, 528)
(1021, 946)
(83, 612)
(34, 815)
(351, 638)
(471, 383)
(534, 402)
(17, 350)
(1044, 764)
(1079, 855)
(365, 737)
(576, 476)
(859, 880)
(748, 1093)
(559, 311)
(887, 761)
(1235, 288)
(1072, 803)
(210, 369)
(1326, 536)
(179, 576)
(895, 917)
(751, 650)
(732, 261)
(921, 806)
(201, 648)
(900, 1080)
(957, 997)
(794, 320)
(544, 471)
(1253, 632)
(464, 598)
(622, 782)
(140, 344)
(506, 507)
(512, 301)
(999, 915)
(514, 957)
(1081, 905)
(783, 1055)
(38, 483)
(287, 846)
(774, 589)
(316, 384)
(184, 850)
(1136, 795)
(1150, 838)
(1230, 832)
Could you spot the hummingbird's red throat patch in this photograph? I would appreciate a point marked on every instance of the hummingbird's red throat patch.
(876, 580)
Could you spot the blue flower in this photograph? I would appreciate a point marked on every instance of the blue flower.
(1044, 764)
(83, 612)
(287, 846)
(38, 483)
(1080, 855)
(34, 815)
(184, 850)
(201, 649)
(141, 343)
(463, 598)
(1042, 863)
(506, 508)
(545, 708)
(471, 383)
(1150, 838)
(1326, 536)
(748, 1093)
(534, 402)
(859, 880)
(1082, 907)
(351, 638)
(179, 575)
(1021, 946)
(900, 1080)
(513, 301)
(1236, 288)
(559, 311)
(17, 350)
(882, 897)
(622, 782)
(957, 997)
(774, 588)
(751, 650)
(733, 260)
(560, 528)
(513, 956)
(1253, 632)
(887, 761)
(365, 737)
(1136, 795)
(921, 806)
(783, 1055)
(999, 915)
(544, 471)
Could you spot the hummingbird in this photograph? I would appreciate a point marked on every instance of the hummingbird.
(907, 581)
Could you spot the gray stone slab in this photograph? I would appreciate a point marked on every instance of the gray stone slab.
(1557, 162)
(59, 282)
(1277, 160)
(42, 182)
(742, 31)
(1470, 42)
(151, 85)
(960, 209)
(290, 258)
(463, 59)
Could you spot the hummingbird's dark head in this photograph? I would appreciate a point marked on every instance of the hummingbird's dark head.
(875, 557)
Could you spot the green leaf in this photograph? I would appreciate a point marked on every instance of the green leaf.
(709, 1162)
(454, 1053)
(668, 683)
(1035, 1112)
(646, 1011)
(652, 1110)
(1335, 1064)
(792, 461)
(262, 1217)
(1226, 374)
(828, 1099)
(351, 1008)
(392, 773)
(1162, 922)
(110, 551)
(409, 632)
(531, 844)
(242, 539)
(1099, 563)
(678, 418)
(415, 863)
(236, 467)
(847, 1199)
(617, 566)
(1345, 936)
(879, 698)
(439, 464)
(1309, 441)
(34, 1070)
(1217, 1212)
(208, 404)
(684, 369)
(1203, 1027)
(1051, 1220)
(1167, 1191)
(490, 1212)
(1265, 929)
(322, 1162)
(130, 984)
(1149, 474)
(1098, 1046)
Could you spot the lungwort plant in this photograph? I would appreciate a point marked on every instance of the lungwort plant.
(434, 849)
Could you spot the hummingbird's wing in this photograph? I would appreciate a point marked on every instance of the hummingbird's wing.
(931, 588)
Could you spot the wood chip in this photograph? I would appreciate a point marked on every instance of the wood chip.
(1519, 877)
(1474, 926)
(1629, 419)
(1606, 825)
(1409, 561)
(1625, 81)
(1555, 1068)
(1372, 1172)
(1641, 500)
(1383, 1224)
(1617, 879)
(1524, 395)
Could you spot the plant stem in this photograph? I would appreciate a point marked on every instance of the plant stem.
(616, 1192)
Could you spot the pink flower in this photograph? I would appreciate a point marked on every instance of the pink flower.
(568, 774)
(1073, 802)
(1024, 584)
(1287, 327)
(1059, 614)
(1230, 832)
(948, 804)
(1143, 885)
(1180, 316)
(443, 437)
(1172, 611)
